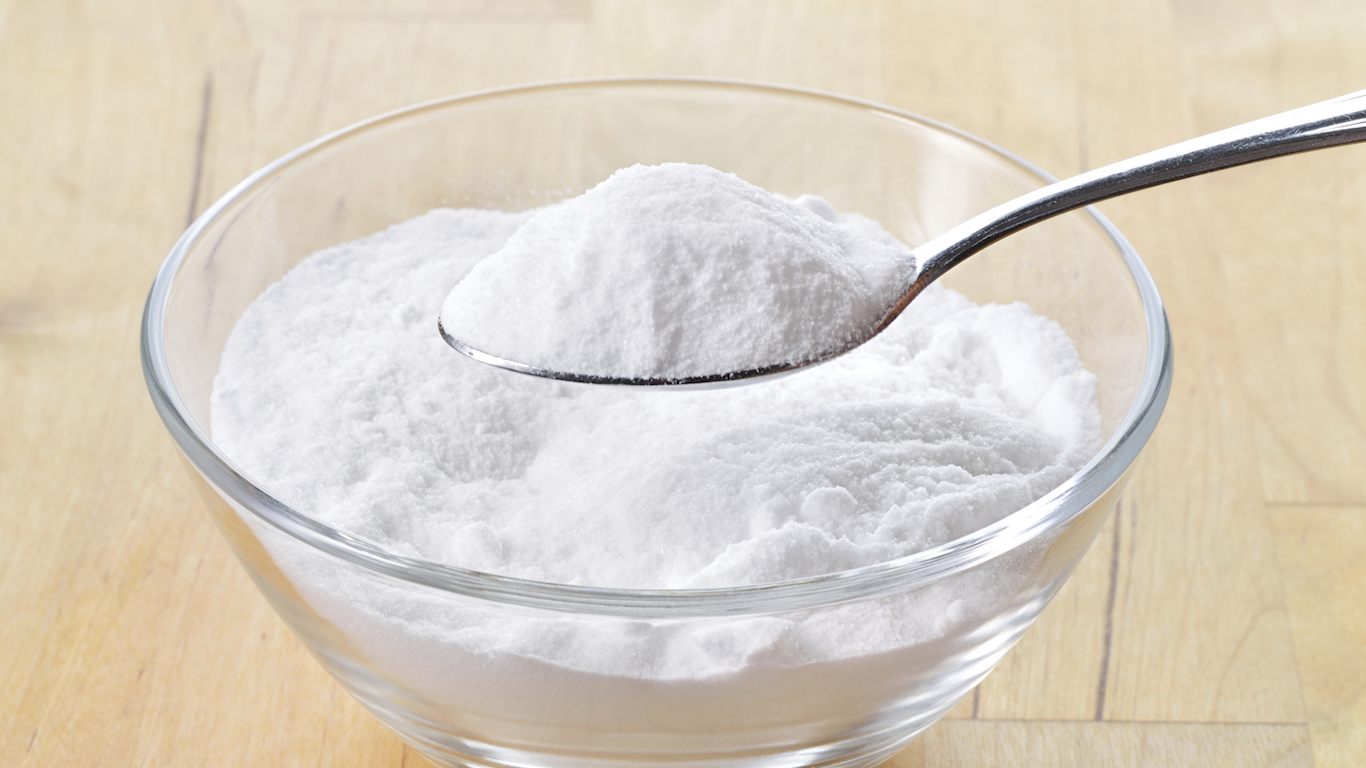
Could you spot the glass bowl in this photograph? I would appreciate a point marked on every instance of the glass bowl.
(739, 682)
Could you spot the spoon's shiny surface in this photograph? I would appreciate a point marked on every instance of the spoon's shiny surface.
(1318, 126)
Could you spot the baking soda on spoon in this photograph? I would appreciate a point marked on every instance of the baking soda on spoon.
(672, 271)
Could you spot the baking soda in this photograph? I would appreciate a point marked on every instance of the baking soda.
(337, 395)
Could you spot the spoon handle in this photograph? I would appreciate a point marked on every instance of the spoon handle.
(1327, 124)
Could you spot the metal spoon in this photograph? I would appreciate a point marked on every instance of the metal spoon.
(1327, 124)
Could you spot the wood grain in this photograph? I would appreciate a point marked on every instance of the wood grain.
(1113, 745)
(1217, 620)
(1322, 554)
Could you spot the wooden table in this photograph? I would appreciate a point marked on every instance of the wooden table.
(1218, 620)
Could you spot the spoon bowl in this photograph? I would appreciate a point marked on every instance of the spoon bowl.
(704, 381)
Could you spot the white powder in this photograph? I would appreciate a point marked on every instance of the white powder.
(336, 393)
(677, 270)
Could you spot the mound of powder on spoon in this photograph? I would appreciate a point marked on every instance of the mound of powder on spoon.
(676, 271)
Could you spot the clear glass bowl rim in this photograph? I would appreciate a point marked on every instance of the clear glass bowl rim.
(1055, 509)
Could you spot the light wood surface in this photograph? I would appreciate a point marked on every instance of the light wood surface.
(1219, 619)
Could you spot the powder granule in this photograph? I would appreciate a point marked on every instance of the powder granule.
(674, 271)
(336, 394)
